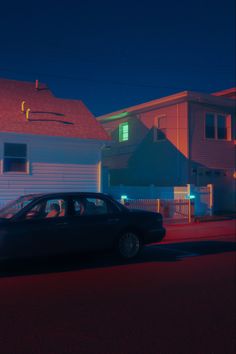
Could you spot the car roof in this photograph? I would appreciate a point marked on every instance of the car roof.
(67, 194)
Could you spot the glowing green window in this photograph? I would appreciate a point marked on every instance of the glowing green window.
(124, 131)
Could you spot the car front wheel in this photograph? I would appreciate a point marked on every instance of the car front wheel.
(129, 245)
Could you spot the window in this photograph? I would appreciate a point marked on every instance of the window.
(124, 132)
(15, 158)
(218, 126)
(13, 207)
(160, 129)
(91, 206)
(50, 208)
(55, 207)
(210, 126)
(221, 127)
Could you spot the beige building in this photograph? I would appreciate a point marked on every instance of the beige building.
(185, 138)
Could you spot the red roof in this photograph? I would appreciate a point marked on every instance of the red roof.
(228, 93)
(48, 115)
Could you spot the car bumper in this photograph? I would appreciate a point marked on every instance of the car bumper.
(155, 235)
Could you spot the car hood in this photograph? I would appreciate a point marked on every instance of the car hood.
(142, 211)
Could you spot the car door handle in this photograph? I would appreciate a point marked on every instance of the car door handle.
(62, 223)
(113, 220)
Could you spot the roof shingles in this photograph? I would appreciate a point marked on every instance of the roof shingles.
(48, 115)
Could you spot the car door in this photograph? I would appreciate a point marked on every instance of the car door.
(94, 224)
(38, 232)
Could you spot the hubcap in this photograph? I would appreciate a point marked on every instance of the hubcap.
(129, 245)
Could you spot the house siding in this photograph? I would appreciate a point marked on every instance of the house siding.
(213, 160)
(218, 154)
(55, 164)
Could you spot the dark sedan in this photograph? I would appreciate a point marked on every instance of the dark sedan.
(47, 224)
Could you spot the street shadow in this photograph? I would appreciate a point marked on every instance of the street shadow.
(173, 252)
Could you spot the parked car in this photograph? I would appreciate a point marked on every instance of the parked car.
(50, 224)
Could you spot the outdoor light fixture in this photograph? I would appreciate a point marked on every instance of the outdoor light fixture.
(190, 196)
(123, 199)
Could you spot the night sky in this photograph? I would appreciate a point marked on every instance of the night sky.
(114, 54)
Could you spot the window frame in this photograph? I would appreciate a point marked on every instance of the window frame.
(121, 132)
(156, 127)
(228, 125)
(4, 156)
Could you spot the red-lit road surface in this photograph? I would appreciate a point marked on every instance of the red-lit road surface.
(202, 230)
(178, 298)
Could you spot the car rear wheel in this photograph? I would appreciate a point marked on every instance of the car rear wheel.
(129, 245)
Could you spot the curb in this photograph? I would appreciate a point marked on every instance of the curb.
(214, 218)
(199, 220)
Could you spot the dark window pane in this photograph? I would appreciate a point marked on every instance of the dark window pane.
(210, 126)
(161, 128)
(15, 165)
(233, 122)
(221, 127)
(15, 150)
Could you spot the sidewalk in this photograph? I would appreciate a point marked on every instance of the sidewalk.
(219, 217)
(199, 219)
(199, 231)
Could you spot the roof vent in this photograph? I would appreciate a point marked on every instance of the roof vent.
(23, 106)
(27, 114)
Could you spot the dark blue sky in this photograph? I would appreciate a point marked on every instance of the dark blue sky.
(113, 54)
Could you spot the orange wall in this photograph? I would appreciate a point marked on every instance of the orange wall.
(177, 124)
(208, 152)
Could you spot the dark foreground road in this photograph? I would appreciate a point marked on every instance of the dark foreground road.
(177, 298)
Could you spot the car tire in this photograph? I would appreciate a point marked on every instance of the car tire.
(129, 245)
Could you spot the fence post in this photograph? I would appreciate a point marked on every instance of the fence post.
(210, 189)
(158, 205)
(189, 203)
(189, 211)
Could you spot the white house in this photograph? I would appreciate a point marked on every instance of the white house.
(47, 144)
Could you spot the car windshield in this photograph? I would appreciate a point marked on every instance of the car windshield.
(14, 207)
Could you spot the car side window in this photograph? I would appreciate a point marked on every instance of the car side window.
(55, 208)
(96, 206)
(91, 206)
(35, 212)
(78, 206)
(50, 208)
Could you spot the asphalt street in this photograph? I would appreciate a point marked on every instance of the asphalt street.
(178, 297)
